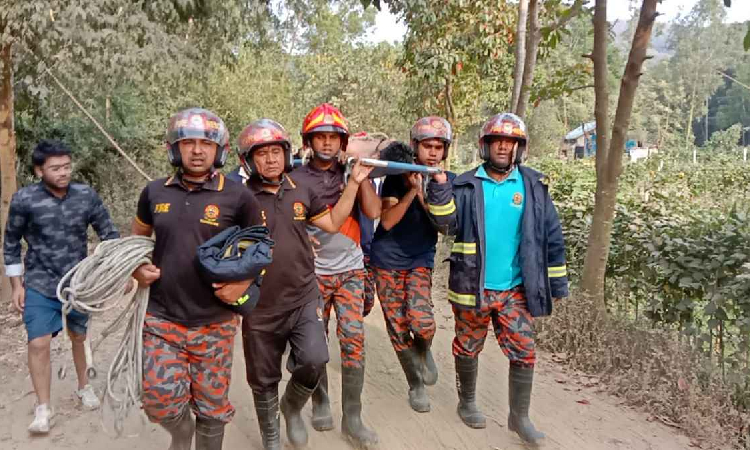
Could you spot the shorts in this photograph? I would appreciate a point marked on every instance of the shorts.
(42, 315)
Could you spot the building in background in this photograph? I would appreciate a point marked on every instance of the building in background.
(581, 143)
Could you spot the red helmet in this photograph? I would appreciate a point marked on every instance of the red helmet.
(322, 118)
(197, 123)
(432, 127)
(258, 134)
(503, 125)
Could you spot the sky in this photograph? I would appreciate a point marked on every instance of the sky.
(387, 27)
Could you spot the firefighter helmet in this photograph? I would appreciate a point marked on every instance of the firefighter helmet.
(432, 127)
(259, 133)
(197, 123)
(503, 125)
(322, 118)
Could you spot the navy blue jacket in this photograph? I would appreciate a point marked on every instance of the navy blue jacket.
(459, 210)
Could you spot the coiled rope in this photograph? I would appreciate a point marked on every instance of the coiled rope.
(99, 284)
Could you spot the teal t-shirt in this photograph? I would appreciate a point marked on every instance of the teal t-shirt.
(503, 211)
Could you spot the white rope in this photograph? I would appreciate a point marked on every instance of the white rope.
(98, 284)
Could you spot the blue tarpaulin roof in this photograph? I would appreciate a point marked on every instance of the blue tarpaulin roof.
(578, 132)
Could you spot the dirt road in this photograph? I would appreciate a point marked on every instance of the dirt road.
(573, 417)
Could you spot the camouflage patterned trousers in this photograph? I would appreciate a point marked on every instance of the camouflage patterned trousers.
(405, 298)
(345, 292)
(184, 366)
(369, 286)
(511, 320)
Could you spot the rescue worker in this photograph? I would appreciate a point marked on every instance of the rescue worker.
(339, 267)
(52, 216)
(507, 265)
(403, 253)
(288, 310)
(188, 333)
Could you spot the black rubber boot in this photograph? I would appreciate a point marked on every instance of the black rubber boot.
(209, 434)
(322, 419)
(429, 368)
(292, 402)
(411, 364)
(267, 409)
(352, 381)
(520, 381)
(466, 383)
(181, 428)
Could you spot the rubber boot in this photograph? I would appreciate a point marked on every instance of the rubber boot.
(466, 383)
(181, 428)
(429, 368)
(322, 419)
(411, 364)
(520, 381)
(267, 409)
(295, 397)
(352, 381)
(209, 434)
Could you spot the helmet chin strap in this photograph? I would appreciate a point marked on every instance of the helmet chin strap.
(183, 172)
(271, 183)
(503, 170)
(265, 180)
(325, 158)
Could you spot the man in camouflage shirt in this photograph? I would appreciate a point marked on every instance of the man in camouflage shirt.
(53, 217)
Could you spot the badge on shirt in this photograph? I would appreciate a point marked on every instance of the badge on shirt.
(211, 215)
(299, 211)
(517, 199)
(161, 208)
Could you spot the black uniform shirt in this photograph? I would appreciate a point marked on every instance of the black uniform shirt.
(290, 280)
(182, 220)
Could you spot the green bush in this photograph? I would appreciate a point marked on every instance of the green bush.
(680, 243)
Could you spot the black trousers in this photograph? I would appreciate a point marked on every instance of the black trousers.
(264, 339)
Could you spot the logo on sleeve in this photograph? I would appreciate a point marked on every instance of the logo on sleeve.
(211, 215)
(161, 208)
(517, 199)
(299, 211)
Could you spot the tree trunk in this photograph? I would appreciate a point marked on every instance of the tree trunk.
(533, 37)
(609, 155)
(518, 70)
(450, 112)
(705, 136)
(689, 126)
(7, 153)
(595, 261)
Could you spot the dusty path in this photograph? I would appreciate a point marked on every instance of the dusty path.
(601, 424)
